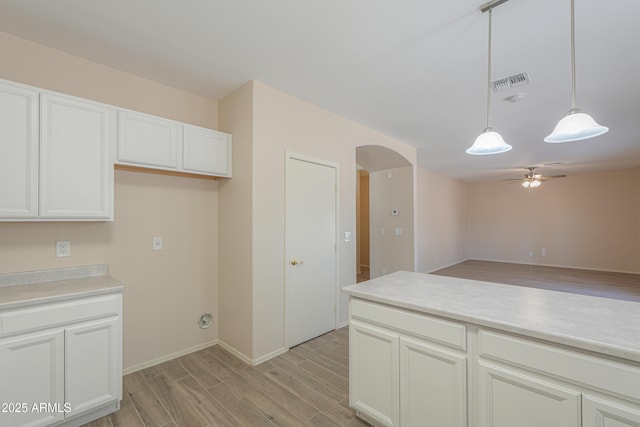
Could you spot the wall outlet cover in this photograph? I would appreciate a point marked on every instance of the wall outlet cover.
(157, 243)
(63, 248)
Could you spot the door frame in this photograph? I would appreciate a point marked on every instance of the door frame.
(287, 245)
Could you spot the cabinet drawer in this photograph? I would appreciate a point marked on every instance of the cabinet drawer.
(57, 314)
(437, 330)
(598, 372)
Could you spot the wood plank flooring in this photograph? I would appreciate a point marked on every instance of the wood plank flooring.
(606, 284)
(307, 386)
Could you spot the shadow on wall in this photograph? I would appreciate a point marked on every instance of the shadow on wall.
(388, 245)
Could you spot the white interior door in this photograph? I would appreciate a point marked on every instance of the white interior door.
(311, 249)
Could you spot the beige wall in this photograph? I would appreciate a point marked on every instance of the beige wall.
(284, 123)
(391, 189)
(166, 291)
(587, 221)
(236, 274)
(441, 226)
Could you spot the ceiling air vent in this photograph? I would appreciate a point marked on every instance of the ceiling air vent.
(511, 81)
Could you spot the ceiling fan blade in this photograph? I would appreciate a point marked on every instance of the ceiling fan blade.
(555, 176)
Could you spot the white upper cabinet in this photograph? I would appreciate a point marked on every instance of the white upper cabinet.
(56, 160)
(18, 151)
(206, 151)
(156, 143)
(76, 171)
(147, 141)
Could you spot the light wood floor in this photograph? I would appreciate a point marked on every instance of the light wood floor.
(587, 282)
(307, 386)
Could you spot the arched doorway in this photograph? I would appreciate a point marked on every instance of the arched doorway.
(384, 212)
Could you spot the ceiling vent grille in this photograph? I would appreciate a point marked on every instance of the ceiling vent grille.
(511, 81)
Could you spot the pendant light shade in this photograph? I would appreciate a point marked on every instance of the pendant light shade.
(576, 125)
(489, 141)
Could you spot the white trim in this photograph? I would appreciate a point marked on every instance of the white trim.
(342, 324)
(447, 266)
(236, 353)
(168, 357)
(269, 356)
(248, 360)
(302, 157)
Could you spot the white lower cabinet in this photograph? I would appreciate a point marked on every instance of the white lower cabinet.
(374, 373)
(93, 371)
(415, 370)
(602, 412)
(61, 363)
(433, 385)
(31, 374)
(508, 398)
(402, 371)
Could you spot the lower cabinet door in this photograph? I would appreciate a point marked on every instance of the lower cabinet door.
(598, 412)
(433, 387)
(374, 373)
(508, 397)
(32, 379)
(93, 365)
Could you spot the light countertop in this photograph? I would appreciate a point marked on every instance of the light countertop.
(603, 325)
(37, 287)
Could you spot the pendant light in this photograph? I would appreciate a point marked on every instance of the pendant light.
(576, 125)
(489, 141)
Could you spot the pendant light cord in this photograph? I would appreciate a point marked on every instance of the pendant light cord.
(573, 58)
(489, 73)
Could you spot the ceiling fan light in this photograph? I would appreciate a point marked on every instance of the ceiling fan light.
(526, 184)
(488, 142)
(535, 183)
(575, 126)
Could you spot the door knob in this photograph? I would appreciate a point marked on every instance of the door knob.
(296, 262)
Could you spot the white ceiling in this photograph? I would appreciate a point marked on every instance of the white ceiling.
(412, 69)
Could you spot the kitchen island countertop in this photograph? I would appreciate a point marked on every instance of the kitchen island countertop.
(602, 325)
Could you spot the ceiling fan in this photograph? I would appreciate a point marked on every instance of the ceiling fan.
(532, 179)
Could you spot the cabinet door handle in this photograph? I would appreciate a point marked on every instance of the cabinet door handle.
(296, 262)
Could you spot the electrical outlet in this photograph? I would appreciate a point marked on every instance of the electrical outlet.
(157, 243)
(63, 248)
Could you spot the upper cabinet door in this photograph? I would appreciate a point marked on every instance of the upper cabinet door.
(206, 151)
(18, 151)
(147, 141)
(76, 165)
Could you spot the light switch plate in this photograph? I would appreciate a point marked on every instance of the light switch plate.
(157, 243)
(63, 248)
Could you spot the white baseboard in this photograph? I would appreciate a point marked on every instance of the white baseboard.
(167, 357)
(247, 359)
(342, 324)
(271, 355)
(449, 265)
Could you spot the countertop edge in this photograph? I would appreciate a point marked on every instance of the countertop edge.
(73, 283)
(560, 339)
